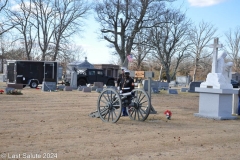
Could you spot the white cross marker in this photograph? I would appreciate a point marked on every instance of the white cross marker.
(215, 47)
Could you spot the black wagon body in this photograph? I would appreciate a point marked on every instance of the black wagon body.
(31, 73)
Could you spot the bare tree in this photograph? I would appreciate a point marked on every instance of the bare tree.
(43, 13)
(185, 67)
(16, 53)
(233, 44)
(3, 4)
(68, 15)
(4, 25)
(50, 23)
(170, 40)
(140, 50)
(70, 53)
(21, 18)
(200, 36)
(121, 20)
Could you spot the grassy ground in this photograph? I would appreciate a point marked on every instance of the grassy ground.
(57, 124)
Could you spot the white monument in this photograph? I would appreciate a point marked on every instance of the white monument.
(220, 77)
(216, 93)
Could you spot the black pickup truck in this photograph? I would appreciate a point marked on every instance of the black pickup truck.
(89, 76)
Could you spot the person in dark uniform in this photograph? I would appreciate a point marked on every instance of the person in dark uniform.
(127, 82)
(127, 85)
(120, 78)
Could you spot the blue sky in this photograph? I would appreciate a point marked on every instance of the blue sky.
(223, 14)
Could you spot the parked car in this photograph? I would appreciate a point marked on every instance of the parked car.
(89, 76)
(234, 83)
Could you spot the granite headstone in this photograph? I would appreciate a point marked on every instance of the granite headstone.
(172, 91)
(192, 86)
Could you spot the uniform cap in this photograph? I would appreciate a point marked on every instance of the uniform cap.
(126, 71)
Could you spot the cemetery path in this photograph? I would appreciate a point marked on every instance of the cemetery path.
(57, 123)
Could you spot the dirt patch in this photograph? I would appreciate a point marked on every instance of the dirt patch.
(57, 123)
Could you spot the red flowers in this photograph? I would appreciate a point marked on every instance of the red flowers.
(1, 91)
(168, 114)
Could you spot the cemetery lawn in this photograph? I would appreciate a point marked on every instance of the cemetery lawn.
(50, 124)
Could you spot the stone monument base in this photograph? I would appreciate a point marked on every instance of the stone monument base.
(216, 81)
(215, 103)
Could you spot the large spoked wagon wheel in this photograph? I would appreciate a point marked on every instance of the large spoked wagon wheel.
(109, 105)
(139, 108)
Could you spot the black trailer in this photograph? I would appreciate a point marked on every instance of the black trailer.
(31, 73)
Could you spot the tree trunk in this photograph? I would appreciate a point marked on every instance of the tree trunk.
(194, 72)
(160, 74)
(168, 75)
(125, 63)
(168, 78)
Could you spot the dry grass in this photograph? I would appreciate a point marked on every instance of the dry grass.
(57, 122)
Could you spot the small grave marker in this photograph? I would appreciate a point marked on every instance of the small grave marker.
(16, 86)
(163, 85)
(172, 91)
(68, 88)
(49, 86)
(184, 90)
(155, 90)
(98, 84)
(80, 88)
(87, 89)
(61, 87)
(94, 88)
(99, 90)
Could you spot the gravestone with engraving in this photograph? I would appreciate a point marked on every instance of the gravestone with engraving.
(182, 80)
(80, 88)
(172, 91)
(163, 85)
(184, 89)
(172, 84)
(67, 88)
(94, 88)
(87, 89)
(154, 84)
(16, 86)
(155, 90)
(49, 86)
(193, 85)
(99, 90)
(60, 87)
(98, 84)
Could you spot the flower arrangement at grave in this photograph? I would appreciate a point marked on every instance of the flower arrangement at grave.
(1, 91)
(168, 114)
(14, 92)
